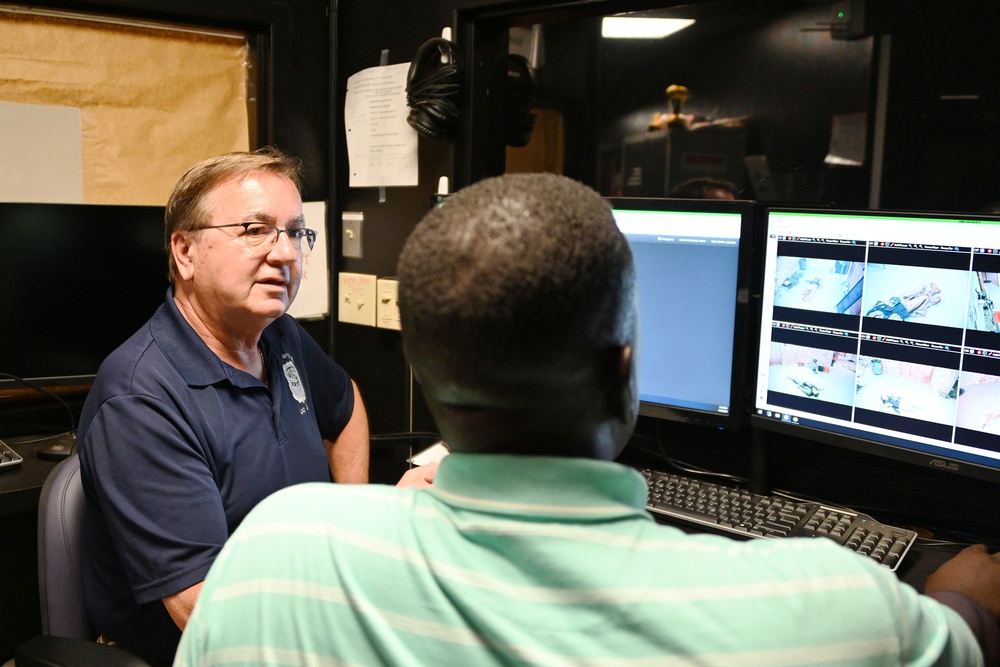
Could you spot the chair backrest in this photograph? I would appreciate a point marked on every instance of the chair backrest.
(60, 545)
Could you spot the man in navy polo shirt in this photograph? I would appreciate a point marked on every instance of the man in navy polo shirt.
(219, 400)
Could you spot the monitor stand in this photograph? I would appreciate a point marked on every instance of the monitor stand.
(759, 481)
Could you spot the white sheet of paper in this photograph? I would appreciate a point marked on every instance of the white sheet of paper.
(432, 454)
(42, 156)
(848, 137)
(313, 299)
(381, 145)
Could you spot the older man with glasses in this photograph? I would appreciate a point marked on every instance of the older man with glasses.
(219, 400)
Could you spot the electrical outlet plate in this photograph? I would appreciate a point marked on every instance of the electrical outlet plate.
(356, 298)
(387, 308)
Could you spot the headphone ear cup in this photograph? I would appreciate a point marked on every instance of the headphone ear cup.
(519, 91)
(430, 95)
(436, 113)
(421, 121)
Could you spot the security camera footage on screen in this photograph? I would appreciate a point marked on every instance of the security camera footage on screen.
(885, 327)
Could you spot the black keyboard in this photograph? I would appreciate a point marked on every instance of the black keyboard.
(739, 512)
(8, 457)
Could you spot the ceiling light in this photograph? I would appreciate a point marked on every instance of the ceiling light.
(626, 27)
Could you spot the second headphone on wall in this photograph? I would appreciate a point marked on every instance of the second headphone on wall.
(432, 89)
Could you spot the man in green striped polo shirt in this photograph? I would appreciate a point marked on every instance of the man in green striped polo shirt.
(531, 547)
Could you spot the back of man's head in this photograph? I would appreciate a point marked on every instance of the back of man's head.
(517, 295)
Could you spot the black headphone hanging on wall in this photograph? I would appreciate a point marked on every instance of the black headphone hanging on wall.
(432, 87)
(519, 93)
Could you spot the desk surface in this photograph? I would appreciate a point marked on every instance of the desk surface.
(920, 562)
(21, 486)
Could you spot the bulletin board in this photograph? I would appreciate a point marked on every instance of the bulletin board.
(152, 100)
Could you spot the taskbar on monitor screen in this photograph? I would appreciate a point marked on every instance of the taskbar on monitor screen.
(903, 445)
(679, 404)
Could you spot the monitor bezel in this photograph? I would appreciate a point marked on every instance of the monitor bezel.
(735, 419)
(931, 458)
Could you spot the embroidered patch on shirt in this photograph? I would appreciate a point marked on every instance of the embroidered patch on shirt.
(295, 384)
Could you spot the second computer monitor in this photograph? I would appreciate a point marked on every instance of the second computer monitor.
(880, 331)
(691, 259)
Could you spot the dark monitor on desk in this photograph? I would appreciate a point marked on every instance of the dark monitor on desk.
(78, 280)
(691, 259)
(880, 332)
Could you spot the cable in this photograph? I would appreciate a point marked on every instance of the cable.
(46, 392)
(64, 444)
(405, 436)
(687, 467)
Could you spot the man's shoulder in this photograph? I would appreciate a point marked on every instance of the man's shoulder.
(331, 493)
(140, 366)
(330, 502)
(120, 365)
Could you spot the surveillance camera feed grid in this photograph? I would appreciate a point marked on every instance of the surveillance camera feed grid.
(896, 338)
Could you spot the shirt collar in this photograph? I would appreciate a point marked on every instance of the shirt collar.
(188, 353)
(540, 486)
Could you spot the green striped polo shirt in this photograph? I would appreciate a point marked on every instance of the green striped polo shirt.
(512, 560)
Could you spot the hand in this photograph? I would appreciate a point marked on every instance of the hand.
(418, 477)
(974, 573)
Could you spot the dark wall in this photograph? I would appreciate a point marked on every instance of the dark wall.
(943, 126)
(372, 356)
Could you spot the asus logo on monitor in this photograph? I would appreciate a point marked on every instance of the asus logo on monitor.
(947, 465)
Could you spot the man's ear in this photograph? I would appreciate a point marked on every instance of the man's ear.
(182, 249)
(622, 390)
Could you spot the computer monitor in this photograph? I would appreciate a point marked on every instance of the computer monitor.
(692, 266)
(78, 279)
(880, 331)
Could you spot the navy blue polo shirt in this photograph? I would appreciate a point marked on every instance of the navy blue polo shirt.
(176, 447)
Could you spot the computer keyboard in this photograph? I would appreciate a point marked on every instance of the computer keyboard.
(8, 457)
(740, 512)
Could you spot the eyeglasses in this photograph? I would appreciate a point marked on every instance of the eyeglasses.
(261, 236)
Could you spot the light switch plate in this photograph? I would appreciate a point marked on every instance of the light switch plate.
(388, 304)
(356, 298)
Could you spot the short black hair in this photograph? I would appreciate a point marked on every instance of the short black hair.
(516, 273)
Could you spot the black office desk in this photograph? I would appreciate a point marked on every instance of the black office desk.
(920, 561)
(20, 489)
(21, 486)
(839, 477)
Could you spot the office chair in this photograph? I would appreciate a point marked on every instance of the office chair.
(67, 638)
